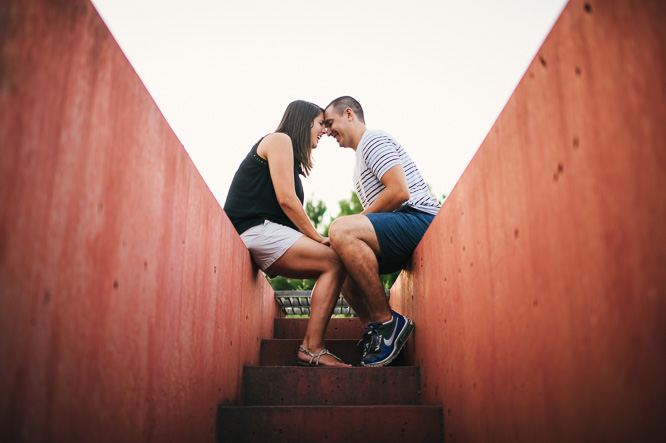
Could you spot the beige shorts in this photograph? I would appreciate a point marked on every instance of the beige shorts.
(268, 242)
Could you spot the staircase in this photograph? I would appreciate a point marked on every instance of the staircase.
(283, 402)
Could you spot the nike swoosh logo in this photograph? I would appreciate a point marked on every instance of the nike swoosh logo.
(389, 341)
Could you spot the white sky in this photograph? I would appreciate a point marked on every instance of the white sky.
(434, 73)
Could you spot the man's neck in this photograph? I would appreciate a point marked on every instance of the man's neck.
(358, 136)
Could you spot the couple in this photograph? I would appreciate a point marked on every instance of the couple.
(265, 205)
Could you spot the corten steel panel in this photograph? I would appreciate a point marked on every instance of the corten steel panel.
(539, 293)
(128, 303)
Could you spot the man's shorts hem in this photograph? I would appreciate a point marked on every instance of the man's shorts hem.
(398, 234)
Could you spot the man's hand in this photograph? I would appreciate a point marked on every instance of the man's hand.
(395, 194)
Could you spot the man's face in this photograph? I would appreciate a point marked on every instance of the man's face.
(337, 126)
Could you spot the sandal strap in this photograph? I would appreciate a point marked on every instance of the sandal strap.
(327, 352)
(308, 353)
(318, 355)
(334, 356)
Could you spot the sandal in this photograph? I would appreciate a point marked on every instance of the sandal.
(316, 356)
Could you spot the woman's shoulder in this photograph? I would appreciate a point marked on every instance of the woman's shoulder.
(277, 137)
(274, 140)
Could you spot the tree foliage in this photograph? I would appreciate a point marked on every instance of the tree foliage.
(315, 212)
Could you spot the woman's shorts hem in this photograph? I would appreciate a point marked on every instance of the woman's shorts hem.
(268, 242)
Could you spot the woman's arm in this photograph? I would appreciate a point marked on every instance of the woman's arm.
(278, 151)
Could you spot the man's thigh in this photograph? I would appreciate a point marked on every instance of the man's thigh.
(398, 234)
(358, 226)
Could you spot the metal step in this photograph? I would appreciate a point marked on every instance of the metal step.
(298, 385)
(338, 328)
(284, 352)
(296, 424)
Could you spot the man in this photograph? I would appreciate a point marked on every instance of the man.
(397, 210)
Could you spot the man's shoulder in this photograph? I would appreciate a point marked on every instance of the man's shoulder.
(371, 134)
(375, 138)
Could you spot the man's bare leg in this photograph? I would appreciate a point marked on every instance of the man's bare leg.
(354, 239)
(356, 300)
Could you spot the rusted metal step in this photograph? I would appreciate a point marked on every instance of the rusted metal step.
(338, 328)
(297, 385)
(283, 402)
(383, 423)
(283, 352)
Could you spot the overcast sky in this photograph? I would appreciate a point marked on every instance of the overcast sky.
(434, 74)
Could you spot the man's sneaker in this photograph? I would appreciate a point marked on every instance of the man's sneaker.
(364, 342)
(384, 341)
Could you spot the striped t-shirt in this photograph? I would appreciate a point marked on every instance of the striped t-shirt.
(377, 152)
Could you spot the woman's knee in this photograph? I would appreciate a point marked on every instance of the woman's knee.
(335, 263)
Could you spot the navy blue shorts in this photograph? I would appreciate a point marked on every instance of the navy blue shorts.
(398, 233)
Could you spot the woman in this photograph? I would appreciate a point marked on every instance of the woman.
(265, 205)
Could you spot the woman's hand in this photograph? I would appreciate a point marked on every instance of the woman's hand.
(325, 241)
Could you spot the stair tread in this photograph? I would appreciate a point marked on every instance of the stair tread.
(338, 328)
(307, 369)
(284, 402)
(298, 385)
(333, 407)
(330, 423)
(283, 352)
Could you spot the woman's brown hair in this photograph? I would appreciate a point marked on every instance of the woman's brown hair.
(297, 124)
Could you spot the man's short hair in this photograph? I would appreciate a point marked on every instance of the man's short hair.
(344, 102)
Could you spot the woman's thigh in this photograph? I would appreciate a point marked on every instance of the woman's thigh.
(305, 259)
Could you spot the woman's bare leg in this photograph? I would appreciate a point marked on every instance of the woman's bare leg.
(309, 259)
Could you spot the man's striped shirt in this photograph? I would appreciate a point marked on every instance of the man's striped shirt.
(377, 152)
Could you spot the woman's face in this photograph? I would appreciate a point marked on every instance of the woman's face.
(318, 129)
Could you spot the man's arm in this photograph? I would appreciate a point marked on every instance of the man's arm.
(395, 194)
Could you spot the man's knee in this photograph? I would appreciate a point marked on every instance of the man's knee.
(341, 230)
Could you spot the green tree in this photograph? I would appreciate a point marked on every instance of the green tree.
(351, 206)
(315, 212)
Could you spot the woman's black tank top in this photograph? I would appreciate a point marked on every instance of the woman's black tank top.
(251, 198)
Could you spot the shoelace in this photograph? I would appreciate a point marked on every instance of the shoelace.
(365, 341)
(374, 339)
(371, 340)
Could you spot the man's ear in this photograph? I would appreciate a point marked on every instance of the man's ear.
(349, 113)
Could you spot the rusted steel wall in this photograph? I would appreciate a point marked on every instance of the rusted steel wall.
(539, 293)
(128, 304)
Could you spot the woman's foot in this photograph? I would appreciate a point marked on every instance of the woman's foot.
(320, 357)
